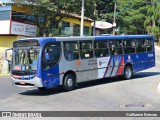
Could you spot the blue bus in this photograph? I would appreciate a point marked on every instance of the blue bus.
(65, 61)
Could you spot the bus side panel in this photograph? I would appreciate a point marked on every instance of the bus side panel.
(110, 66)
(74, 66)
(89, 69)
(146, 60)
(140, 61)
(50, 77)
(133, 60)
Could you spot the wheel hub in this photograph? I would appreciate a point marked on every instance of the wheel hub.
(69, 82)
(128, 73)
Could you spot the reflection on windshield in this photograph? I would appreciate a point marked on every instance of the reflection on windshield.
(25, 59)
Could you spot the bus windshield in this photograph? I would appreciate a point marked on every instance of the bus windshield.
(25, 59)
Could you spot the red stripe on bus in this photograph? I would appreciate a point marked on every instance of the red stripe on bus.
(120, 70)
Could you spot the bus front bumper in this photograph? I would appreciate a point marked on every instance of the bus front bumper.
(35, 82)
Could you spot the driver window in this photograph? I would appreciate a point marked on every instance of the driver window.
(50, 55)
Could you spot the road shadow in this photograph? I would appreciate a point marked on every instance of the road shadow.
(116, 79)
(47, 92)
(145, 74)
(82, 85)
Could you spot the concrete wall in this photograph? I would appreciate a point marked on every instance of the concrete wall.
(72, 21)
(5, 43)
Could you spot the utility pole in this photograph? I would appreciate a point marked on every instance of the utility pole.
(114, 19)
(94, 25)
(82, 19)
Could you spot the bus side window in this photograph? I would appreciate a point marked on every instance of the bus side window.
(149, 45)
(86, 49)
(112, 47)
(71, 51)
(140, 45)
(129, 46)
(101, 48)
(118, 47)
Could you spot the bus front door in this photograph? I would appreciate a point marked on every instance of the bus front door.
(50, 59)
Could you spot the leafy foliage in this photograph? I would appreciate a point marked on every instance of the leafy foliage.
(133, 16)
(58, 9)
(139, 17)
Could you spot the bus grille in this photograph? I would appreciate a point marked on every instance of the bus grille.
(26, 84)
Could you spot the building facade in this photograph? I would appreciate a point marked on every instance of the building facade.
(17, 22)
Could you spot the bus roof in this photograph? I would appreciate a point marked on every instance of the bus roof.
(122, 37)
(43, 40)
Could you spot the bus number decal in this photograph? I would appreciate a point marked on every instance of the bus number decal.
(150, 55)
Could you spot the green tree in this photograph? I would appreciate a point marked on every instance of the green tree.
(152, 20)
(133, 16)
(139, 17)
(50, 9)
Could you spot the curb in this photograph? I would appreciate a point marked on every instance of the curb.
(4, 74)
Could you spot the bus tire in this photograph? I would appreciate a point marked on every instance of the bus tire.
(69, 82)
(128, 72)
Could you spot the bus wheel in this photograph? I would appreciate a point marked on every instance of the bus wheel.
(128, 72)
(69, 82)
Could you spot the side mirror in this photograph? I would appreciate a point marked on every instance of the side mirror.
(6, 54)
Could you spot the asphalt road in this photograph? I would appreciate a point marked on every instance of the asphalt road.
(114, 94)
